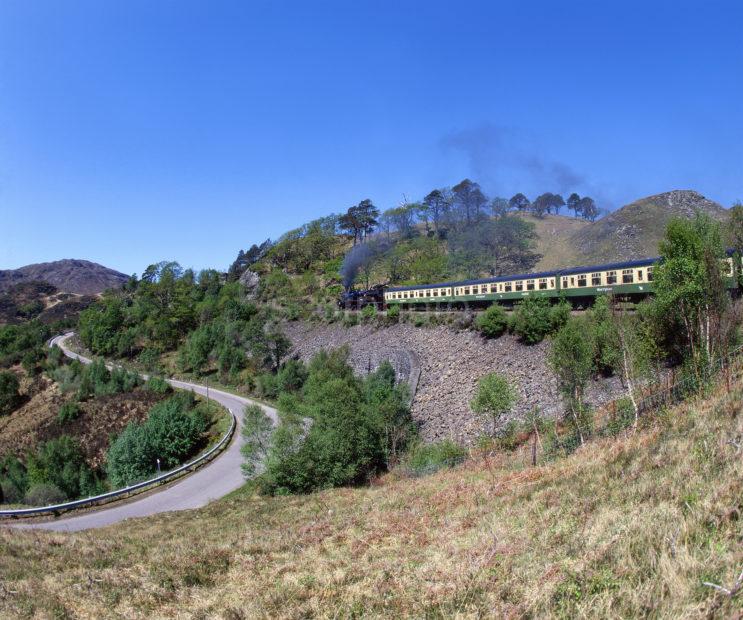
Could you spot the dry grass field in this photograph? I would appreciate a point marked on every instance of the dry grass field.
(627, 527)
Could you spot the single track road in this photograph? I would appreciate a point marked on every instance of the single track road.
(212, 481)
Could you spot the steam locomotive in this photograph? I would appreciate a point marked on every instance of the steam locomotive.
(356, 300)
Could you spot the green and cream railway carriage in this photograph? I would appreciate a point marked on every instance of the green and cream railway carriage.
(631, 280)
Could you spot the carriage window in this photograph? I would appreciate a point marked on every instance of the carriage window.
(466, 290)
(595, 279)
(542, 284)
(428, 293)
(611, 277)
(507, 287)
(564, 283)
(639, 275)
(650, 274)
(728, 267)
(627, 276)
(582, 281)
(475, 290)
(435, 293)
(519, 286)
(530, 285)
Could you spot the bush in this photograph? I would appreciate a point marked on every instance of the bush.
(368, 313)
(267, 385)
(10, 397)
(559, 315)
(44, 495)
(350, 319)
(158, 385)
(424, 459)
(393, 313)
(68, 412)
(532, 320)
(621, 417)
(60, 462)
(493, 322)
(150, 359)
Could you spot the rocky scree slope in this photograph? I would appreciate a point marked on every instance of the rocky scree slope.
(450, 364)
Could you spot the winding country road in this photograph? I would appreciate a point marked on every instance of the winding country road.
(212, 481)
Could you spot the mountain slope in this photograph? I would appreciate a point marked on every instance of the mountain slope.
(635, 230)
(69, 275)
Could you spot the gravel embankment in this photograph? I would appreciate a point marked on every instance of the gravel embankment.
(450, 364)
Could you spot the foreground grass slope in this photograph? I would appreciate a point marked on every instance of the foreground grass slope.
(630, 526)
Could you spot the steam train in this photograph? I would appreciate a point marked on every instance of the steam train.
(628, 280)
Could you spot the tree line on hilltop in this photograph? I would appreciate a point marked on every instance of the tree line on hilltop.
(450, 233)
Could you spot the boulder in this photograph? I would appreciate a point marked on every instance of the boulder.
(250, 280)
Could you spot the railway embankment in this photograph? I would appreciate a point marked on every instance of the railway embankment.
(445, 364)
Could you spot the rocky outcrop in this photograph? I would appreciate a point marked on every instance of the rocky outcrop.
(250, 281)
(449, 363)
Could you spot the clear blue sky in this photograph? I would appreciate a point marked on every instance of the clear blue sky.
(139, 131)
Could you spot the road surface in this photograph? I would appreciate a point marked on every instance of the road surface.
(212, 481)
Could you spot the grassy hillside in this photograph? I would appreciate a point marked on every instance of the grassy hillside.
(625, 527)
(555, 233)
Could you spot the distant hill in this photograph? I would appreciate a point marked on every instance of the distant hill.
(34, 299)
(69, 276)
(634, 231)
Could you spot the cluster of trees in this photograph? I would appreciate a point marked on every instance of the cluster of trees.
(207, 320)
(87, 381)
(689, 322)
(336, 428)
(173, 431)
(56, 471)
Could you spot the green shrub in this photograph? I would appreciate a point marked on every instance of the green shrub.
(508, 437)
(54, 357)
(97, 380)
(393, 313)
(60, 462)
(420, 320)
(10, 397)
(559, 315)
(495, 396)
(368, 313)
(423, 459)
(267, 385)
(621, 417)
(158, 385)
(44, 494)
(350, 319)
(493, 322)
(150, 359)
(532, 320)
(68, 412)
(291, 376)
(13, 478)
